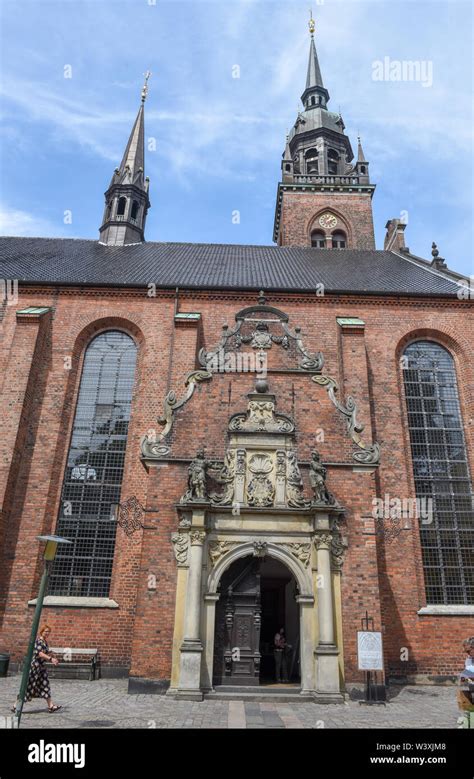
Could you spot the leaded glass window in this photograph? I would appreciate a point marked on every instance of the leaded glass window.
(94, 470)
(441, 472)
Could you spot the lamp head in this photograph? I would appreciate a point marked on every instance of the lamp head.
(52, 545)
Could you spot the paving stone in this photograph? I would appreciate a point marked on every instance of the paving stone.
(107, 700)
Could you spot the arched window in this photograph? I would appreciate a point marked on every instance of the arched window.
(287, 166)
(311, 158)
(440, 467)
(94, 469)
(318, 239)
(134, 211)
(333, 161)
(362, 169)
(339, 240)
(121, 206)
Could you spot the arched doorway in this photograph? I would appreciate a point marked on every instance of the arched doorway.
(257, 598)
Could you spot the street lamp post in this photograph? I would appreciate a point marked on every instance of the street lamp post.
(49, 555)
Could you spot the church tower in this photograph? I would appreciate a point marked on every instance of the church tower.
(126, 200)
(324, 199)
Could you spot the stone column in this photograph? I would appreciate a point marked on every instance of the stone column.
(327, 681)
(191, 648)
(209, 622)
(306, 604)
(325, 604)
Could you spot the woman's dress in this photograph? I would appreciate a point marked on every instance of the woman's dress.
(38, 682)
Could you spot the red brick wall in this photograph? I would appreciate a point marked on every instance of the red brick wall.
(299, 212)
(381, 576)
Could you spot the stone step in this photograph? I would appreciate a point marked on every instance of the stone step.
(275, 694)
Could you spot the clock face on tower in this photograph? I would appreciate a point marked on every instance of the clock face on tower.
(328, 221)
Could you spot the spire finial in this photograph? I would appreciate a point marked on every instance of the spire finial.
(434, 250)
(311, 23)
(145, 85)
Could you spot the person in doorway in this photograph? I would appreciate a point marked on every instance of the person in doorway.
(38, 682)
(280, 653)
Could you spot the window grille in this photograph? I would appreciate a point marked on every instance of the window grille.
(94, 470)
(441, 473)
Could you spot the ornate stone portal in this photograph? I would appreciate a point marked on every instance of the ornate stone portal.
(254, 505)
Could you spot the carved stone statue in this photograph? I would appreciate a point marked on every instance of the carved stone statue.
(197, 469)
(317, 477)
(294, 485)
(225, 476)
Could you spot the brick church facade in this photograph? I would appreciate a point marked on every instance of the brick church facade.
(233, 437)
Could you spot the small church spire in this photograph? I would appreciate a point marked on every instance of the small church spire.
(360, 153)
(126, 200)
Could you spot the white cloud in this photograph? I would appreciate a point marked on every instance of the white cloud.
(16, 222)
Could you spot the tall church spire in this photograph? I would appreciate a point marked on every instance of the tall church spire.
(126, 200)
(318, 162)
(315, 93)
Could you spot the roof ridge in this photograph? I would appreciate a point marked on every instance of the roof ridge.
(48, 238)
(189, 243)
(425, 265)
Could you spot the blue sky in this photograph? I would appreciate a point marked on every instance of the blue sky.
(219, 139)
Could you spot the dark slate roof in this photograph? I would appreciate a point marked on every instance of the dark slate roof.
(62, 261)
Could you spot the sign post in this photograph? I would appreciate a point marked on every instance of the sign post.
(370, 659)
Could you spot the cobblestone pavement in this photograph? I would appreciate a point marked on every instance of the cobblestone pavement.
(106, 704)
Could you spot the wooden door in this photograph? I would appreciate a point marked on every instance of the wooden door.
(237, 638)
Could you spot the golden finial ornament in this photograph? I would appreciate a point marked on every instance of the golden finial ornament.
(145, 85)
(311, 23)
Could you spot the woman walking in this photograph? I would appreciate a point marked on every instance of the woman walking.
(38, 682)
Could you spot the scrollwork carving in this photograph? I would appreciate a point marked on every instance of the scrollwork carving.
(338, 550)
(218, 549)
(260, 491)
(308, 362)
(153, 444)
(261, 418)
(206, 359)
(301, 551)
(180, 543)
(370, 454)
